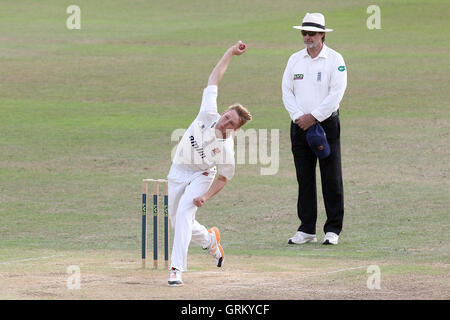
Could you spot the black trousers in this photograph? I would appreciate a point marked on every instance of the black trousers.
(331, 177)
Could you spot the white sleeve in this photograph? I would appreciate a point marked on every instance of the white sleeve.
(226, 170)
(209, 102)
(338, 84)
(227, 167)
(287, 87)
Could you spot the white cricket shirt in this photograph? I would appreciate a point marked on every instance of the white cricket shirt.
(314, 86)
(199, 149)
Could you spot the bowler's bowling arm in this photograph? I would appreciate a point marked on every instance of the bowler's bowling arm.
(219, 70)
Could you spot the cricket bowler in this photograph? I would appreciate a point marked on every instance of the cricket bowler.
(206, 149)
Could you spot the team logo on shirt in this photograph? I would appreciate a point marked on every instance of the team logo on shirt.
(341, 68)
(319, 76)
(298, 76)
(215, 151)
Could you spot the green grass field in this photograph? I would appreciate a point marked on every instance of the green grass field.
(86, 114)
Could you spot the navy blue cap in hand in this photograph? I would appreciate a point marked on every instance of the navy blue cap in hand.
(317, 140)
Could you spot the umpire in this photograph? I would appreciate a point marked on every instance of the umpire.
(313, 85)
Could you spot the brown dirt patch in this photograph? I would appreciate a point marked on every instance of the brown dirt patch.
(243, 277)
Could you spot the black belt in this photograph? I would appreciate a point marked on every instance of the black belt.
(334, 114)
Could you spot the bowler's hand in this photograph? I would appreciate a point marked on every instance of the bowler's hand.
(199, 201)
(305, 121)
(239, 48)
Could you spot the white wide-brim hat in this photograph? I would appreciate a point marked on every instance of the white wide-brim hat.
(313, 22)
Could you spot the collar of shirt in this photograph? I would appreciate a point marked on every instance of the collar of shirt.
(322, 53)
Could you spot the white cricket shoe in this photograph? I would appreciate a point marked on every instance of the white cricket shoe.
(215, 249)
(330, 238)
(175, 278)
(301, 237)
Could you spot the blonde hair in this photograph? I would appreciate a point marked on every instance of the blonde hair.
(243, 113)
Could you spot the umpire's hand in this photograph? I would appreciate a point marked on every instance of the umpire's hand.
(305, 121)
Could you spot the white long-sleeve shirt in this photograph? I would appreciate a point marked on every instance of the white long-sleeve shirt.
(314, 86)
(199, 149)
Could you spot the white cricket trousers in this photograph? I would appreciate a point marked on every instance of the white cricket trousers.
(182, 212)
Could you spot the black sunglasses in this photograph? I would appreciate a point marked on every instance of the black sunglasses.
(309, 33)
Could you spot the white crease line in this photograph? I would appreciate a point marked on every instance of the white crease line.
(31, 259)
(336, 271)
(281, 281)
(281, 271)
